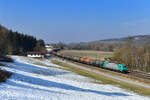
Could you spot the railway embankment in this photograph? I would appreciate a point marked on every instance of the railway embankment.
(126, 81)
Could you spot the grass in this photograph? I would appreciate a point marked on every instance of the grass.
(88, 53)
(105, 80)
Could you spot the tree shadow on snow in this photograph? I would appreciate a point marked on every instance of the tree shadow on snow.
(30, 87)
(46, 83)
(35, 69)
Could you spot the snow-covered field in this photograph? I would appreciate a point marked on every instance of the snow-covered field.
(52, 82)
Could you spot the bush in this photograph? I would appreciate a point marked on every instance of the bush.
(5, 58)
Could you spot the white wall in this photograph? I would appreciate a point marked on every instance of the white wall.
(35, 56)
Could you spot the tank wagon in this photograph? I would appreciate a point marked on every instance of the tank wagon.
(96, 63)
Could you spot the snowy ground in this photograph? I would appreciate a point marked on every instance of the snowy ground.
(35, 82)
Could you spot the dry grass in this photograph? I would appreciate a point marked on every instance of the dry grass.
(88, 53)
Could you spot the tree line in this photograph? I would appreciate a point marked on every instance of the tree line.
(98, 46)
(135, 57)
(16, 43)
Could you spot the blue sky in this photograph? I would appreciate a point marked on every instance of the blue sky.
(76, 20)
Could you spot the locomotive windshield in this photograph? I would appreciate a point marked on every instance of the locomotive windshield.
(125, 67)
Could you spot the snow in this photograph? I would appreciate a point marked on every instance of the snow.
(52, 82)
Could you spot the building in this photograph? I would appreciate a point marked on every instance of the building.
(49, 48)
(36, 54)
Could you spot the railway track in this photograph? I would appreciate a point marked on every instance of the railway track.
(126, 78)
(142, 77)
(140, 74)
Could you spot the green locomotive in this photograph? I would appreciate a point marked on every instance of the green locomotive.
(114, 66)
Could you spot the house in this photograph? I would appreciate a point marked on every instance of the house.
(36, 54)
(49, 48)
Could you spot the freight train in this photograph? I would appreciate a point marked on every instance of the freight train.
(97, 63)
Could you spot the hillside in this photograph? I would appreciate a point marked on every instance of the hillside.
(139, 39)
(110, 44)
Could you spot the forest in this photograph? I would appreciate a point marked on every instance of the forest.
(15, 43)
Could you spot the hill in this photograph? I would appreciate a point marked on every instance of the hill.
(110, 44)
(138, 40)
